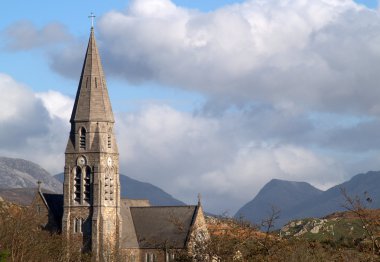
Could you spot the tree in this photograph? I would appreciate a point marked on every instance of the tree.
(368, 219)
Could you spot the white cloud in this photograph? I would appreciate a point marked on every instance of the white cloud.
(57, 104)
(15, 99)
(24, 35)
(320, 55)
(31, 130)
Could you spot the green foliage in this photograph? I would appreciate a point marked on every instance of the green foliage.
(4, 255)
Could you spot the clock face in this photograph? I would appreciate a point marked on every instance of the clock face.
(109, 161)
(81, 161)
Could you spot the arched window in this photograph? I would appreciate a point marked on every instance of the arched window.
(77, 184)
(82, 138)
(87, 184)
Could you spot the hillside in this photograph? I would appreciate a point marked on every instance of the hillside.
(300, 200)
(339, 227)
(134, 189)
(20, 173)
(19, 196)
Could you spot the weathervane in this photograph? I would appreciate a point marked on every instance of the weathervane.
(92, 16)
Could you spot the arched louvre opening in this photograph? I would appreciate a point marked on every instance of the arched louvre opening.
(87, 185)
(77, 184)
(112, 186)
(109, 185)
(109, 141)
(82, 138)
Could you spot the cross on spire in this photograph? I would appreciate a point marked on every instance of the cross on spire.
(92, 16)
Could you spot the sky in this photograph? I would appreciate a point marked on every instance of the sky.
(211, 97)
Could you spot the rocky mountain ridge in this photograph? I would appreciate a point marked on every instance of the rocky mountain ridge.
(297, 200)
(20, 173)
(18, 184)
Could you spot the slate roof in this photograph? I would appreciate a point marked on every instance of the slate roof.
(161, 226)
(55, 204)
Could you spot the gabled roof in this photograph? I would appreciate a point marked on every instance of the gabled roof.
(55, 205)
(158, 227)
(92, 101)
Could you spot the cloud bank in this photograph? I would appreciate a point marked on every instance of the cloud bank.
(316, 55)
(291, 93)
(181, 152)
(29, 126)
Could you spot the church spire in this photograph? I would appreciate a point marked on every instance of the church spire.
(91, 186)
(92, 102)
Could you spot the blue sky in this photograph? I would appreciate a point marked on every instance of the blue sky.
(74, 15)
(217, 97)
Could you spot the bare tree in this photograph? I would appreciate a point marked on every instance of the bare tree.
(269, 224)
(367, 219)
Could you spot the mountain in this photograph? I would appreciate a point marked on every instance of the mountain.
(134, 189)
(279, 194)
(298, 200)
(332, 200)
(18, 183)
(20, 173)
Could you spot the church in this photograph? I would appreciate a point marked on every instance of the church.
(90, 209)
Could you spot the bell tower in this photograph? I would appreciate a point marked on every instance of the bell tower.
(91, 176)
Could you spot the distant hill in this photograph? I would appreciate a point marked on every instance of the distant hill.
(332, 200)
(18, 183)
(281, 195)
(20, 173)
(298, 200)
(134, 189)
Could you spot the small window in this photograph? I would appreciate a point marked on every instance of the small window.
(82, 138)
(38, 209)
(150, 257)
(170, 256)
(78, 225)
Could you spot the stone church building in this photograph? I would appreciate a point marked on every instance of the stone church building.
(90, 209)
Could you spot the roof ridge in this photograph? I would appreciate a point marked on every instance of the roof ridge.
(164, 206)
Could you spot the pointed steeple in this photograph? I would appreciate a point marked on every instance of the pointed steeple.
(92, 103)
